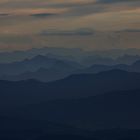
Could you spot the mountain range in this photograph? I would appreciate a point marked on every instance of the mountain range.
(54, 97)
(105, 105)
(47, 69)
(102, 103)
(111, 56)
(74, 86)
(135, 67)
(36, 63)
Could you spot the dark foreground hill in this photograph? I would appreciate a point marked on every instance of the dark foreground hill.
(118, 109)
(104, 101)
(33, 99)
(12, 128)
(22, 129)
(75, 86)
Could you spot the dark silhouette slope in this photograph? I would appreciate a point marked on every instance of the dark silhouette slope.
(75, 86)
(12, 128)
(118, 109)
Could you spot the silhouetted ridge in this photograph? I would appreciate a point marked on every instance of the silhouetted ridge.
(54, 69)
(115, 71)
(75, 86)
(109, 73)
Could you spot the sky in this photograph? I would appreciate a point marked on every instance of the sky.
(89, 24)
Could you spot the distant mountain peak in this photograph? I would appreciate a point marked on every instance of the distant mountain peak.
(40, 57)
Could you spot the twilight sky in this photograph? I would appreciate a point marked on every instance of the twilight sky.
(90, 24)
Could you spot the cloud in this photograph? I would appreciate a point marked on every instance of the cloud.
(44, 15)
(79, 32)
(69, 18)
(131, 30)
(72, 4)
(116, 1)
(4, 14)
